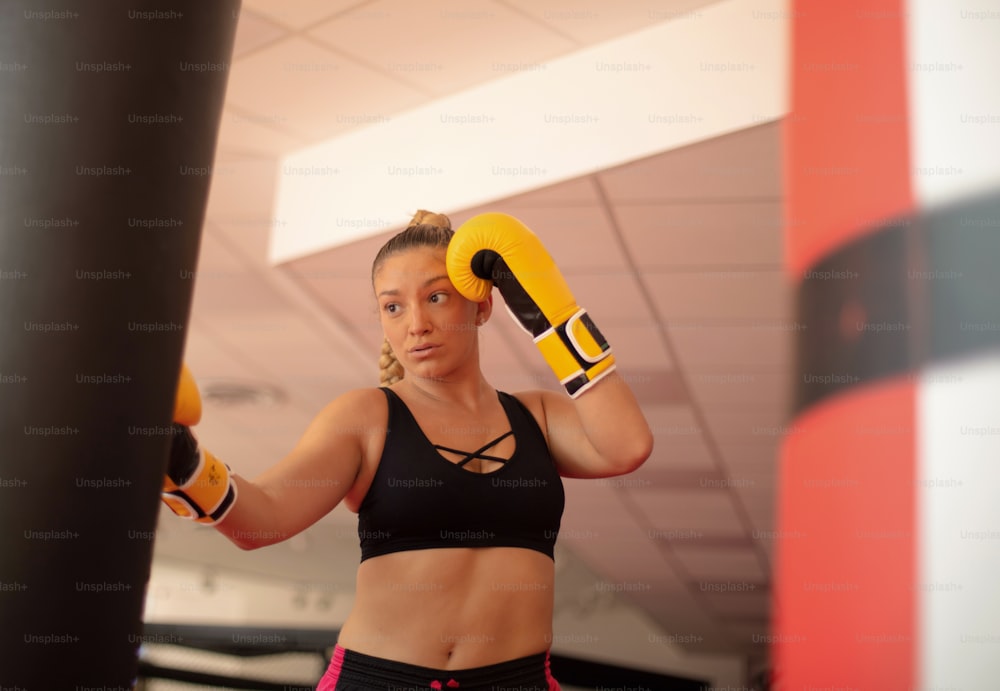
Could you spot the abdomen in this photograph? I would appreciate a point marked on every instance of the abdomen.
(452, 608)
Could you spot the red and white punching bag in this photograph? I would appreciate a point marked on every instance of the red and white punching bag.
(888, 559)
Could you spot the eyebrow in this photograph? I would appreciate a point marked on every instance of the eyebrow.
(426, 283)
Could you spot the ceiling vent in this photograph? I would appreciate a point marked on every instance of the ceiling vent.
(231, 393)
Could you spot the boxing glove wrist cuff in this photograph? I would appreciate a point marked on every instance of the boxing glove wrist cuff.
(207, 495)
(577, 352)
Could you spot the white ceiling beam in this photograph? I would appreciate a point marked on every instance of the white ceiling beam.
(715, 70)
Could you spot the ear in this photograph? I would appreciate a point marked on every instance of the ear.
(483, 310)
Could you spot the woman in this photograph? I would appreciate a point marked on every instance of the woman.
(456, 486)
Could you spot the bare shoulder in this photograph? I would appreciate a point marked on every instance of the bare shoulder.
(357, 412)
(534, 401)
(531, 399)
(568, 441)
(363, 415)
(356, 403)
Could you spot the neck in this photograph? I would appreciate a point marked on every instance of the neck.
(468, 393)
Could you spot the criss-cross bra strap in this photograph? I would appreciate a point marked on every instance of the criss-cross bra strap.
(478, 453)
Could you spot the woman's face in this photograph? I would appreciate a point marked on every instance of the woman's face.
(430, 326)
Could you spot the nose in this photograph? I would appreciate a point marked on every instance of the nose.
(419, 322)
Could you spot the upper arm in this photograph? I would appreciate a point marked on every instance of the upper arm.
(602, 432)
(571, 448)
(320, 470)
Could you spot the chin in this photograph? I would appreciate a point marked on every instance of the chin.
(431, 373)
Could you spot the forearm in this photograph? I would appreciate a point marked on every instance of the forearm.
(253, 521)
(281, 502)
(288, 497)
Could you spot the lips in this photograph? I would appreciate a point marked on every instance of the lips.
(422, 349)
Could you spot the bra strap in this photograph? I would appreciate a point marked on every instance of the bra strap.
(478, 453)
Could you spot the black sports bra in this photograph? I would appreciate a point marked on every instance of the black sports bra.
(419, 499)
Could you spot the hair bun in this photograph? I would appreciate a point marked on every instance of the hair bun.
(429, 218)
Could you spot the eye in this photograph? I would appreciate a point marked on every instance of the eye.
(438, 297)
(391, 307)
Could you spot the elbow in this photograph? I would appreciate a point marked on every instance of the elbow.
(243, 539)
(642, 453)
(631, 458)
(638, 449)
(246, 540)
(250, 543)
(250, 540)
(247, 545)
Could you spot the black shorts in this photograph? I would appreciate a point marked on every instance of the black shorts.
(353, 671)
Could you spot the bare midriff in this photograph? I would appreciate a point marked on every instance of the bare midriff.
(452, 608)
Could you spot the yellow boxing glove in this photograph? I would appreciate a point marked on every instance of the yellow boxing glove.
(497, 249)
(197, 486)
(187, 402)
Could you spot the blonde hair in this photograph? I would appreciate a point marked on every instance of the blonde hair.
(426, 229)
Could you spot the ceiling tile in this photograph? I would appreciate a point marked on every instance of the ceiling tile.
(675, 423)
(710, 511)
(754, 453)
(610, 298)
(350, 303)
(755, 602)
(637, 346)
(278, 332)
(642, 570)
(252, 439)
(243, 188)
(597, 506)
(232, 294)
(705, 343)
(706, 564)
(743, 165)
(678, 442)
(578, 191)
(316, 374)
(704, 297)
(299, 13)
(254, 31)
(736, 424)
(456, 44)
(693, 627)
(208, 356)
(765, 533)
(700, 480)
(654, 386)
(738, 385)
(758, 494)
(353, 260)
(313, 91)
(703, 237)
(250, 133)
(592, 21)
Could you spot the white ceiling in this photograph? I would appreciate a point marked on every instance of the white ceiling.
(677, 257)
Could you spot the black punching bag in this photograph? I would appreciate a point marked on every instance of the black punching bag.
(108, 120)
